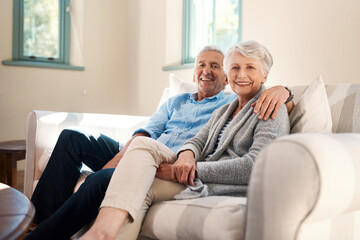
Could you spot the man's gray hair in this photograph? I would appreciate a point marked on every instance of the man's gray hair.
(251, 49)
(206, 49)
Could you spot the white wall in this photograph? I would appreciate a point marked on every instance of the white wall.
(127, 42)
(306, 38)
(105, 26)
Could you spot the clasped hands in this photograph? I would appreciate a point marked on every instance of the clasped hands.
(182, 171)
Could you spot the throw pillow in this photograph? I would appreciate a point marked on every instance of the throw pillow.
(311, 114)
(178, 85)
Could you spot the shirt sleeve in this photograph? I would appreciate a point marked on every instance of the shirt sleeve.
(157, 123)
(197, 143)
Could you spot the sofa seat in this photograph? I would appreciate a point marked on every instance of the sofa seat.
(215, 217)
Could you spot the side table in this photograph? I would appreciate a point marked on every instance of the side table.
(10, 153)
(16, 213)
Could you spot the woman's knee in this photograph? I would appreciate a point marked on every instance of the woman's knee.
(142, 142)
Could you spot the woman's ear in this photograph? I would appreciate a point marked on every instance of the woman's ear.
(226, 81)
(264, 80)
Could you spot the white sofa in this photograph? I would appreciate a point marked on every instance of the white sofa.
(303, 186)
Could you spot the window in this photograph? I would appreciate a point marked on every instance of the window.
(210, 22)
(41, 34)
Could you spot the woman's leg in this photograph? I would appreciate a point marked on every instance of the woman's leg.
(59, 178)
(129, 186)
(161, 190)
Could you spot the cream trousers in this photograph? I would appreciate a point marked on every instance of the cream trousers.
(133, 186)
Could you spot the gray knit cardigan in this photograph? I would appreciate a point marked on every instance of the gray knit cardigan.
(227, 170)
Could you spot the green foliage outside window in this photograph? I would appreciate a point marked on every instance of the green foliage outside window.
(210, 22)
(41, 28)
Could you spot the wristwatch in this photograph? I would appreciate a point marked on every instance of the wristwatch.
(291, 95)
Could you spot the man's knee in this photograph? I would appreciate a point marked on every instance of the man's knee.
(69, 134)
(100, 178)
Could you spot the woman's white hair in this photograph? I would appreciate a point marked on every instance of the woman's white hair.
(251, 49)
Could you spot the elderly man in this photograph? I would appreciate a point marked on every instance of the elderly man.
(60, 213)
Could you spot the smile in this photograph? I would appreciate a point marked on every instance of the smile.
(206, 80)
(243, 83)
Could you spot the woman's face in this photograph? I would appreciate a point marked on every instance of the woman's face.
(245, 75)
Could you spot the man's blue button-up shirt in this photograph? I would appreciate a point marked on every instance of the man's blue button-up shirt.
(181, 118)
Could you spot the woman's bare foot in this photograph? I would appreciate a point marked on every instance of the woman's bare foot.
(106, 225)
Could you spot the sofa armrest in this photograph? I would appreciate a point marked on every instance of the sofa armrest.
(44, 127)
(302, 184)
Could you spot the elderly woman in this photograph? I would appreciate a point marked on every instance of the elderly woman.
(217, 161)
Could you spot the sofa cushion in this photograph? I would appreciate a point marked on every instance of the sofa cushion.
(344, 100)
(311, 113)
(215, 217)
(178, 85)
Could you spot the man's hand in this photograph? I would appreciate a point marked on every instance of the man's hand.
(270, 102)
(114, 161)
(164, 171)
(183, 170)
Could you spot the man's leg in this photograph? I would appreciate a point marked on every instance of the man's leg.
(59, 178)
(79, 210)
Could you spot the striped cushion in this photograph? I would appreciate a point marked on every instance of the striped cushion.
(311, 113)
(214, 217)
(344, 100)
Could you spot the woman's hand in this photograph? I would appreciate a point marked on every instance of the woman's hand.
(183, 170)
(270, 102)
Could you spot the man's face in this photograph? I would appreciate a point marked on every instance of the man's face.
(209, 75)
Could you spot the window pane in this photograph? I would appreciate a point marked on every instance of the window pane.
(41, 28)
(200, 25)
(213, 22)
(227, 23)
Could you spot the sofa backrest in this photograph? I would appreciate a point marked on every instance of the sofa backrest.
(344, 101)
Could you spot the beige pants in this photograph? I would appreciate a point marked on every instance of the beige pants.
(132, 186)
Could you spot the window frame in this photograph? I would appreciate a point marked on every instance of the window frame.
(187, 16)
(18, 58)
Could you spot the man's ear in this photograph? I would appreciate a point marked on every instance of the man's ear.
(194, 77)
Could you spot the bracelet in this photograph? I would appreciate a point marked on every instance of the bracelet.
(291, 95)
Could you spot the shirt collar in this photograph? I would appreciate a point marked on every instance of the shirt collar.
(194, 97)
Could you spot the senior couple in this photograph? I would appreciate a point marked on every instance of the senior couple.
(191, 140)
